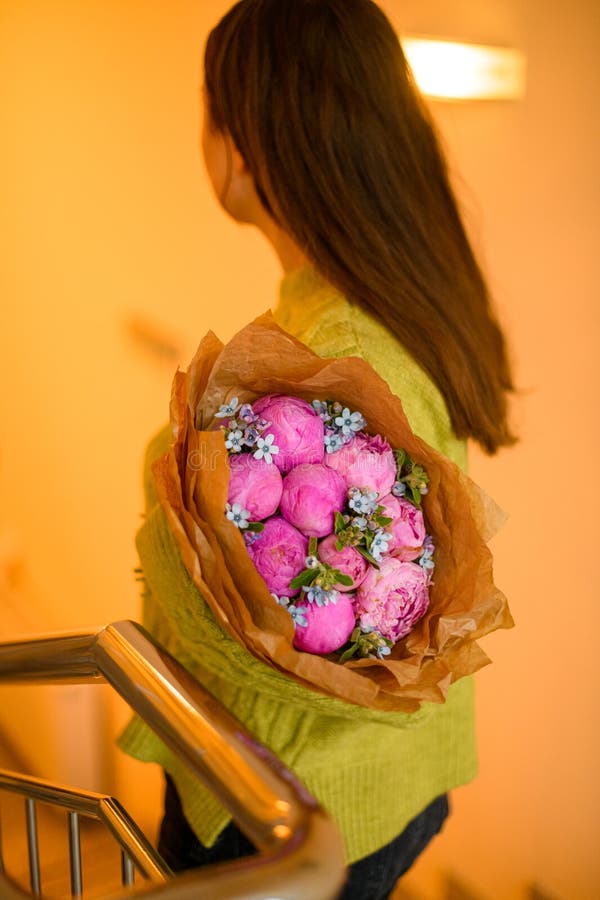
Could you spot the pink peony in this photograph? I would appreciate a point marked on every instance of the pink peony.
(279, 554)
(407, 527)
(328, 627)
(254, 484)
(311, 496)
(365, 462)
(297, 429)
(392, 598)
(348, 560)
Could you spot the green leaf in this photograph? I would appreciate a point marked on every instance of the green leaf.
(401, 456)
(304, 578)
(340, 578)
(384, 520)
(349, 653)
(416, 496)
(368, 557)
(312, 546)
(339, 523)
(255, 527)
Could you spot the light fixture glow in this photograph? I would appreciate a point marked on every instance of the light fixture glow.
(455, 71)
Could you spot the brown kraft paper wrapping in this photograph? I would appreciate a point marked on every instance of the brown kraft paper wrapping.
(192, 485)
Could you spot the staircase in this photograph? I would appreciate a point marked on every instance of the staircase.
(301, 853)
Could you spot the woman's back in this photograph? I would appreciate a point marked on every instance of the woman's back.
(314, 133)
(373, 771)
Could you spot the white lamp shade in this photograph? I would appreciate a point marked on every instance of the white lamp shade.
(448, 70)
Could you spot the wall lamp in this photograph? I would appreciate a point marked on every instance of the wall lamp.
(447, 70)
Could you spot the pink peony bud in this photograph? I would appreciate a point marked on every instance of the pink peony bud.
(407, 528)
(311, 496)
(393, 598)
(365, 462)
(348, 560)
(328, 627)
(254, 484)
(297, 429)
(278, 553)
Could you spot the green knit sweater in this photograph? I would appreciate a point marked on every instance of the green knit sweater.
(373, 771)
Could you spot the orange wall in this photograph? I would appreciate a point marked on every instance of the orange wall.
(533, 205)
(107, 216)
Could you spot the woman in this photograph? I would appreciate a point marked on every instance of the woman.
(315, 133)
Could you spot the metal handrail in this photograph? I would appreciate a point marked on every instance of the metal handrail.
(300, 849)
(101, 807)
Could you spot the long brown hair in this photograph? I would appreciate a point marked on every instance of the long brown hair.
(319, 100)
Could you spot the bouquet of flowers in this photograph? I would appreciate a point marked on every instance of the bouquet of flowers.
(311, 529)
(332, 520)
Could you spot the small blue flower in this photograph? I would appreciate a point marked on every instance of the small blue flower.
(234, 441)
(426, 560)
(316, 594)
(363, 502)
(333, 442)
(246, 414)
(228, 409)
(320, 407)
(384, 650)
(399, 489)
(237, 514)
(360, 522)
(350, 422)
(298, 614)
(380, 545)
(250, 436)
(311, 562)
(266, 448)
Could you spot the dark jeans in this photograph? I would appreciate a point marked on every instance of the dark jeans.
(371, 878)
